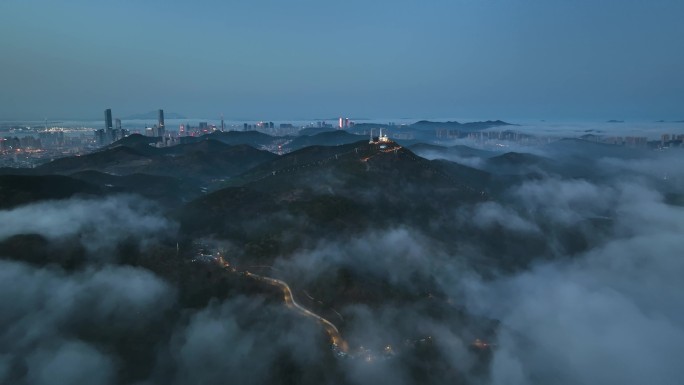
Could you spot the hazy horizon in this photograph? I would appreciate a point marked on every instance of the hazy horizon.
(552, 60)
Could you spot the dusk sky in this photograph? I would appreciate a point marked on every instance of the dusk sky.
(300, 59)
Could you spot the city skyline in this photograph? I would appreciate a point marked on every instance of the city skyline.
(473, 192)
(566, 60)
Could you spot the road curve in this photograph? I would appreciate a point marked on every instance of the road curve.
(335, 336)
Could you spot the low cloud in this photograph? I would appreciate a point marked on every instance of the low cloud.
(70, 363)
(394, 254)
(490, 214)
(99, 224)
(564, 202)
(470, 161)
(53, 324)
(611, 315)
(664, 169)
(246, 341)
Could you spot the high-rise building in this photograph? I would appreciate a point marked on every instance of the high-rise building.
(341, 124)
(223, 126)
(108, 124)
(100, 137)
(664, 139)
(117, 123)
(108, 119)
(160, 124)
(346, 122)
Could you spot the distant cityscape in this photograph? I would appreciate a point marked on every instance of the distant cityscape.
(27, 146)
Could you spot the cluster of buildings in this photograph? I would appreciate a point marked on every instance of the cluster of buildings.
(202, 128)
(344, 123)
(112, 132)
(628, 141)
(30, 142)
(271, 128)
(28, 146)
(666, 141)
(488, 137)
(671, 140)
(28, 150)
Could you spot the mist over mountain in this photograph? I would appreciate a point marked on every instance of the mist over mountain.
(252, 138)
(432, 125)
(356, 193)
(330, 138)
(436, 264)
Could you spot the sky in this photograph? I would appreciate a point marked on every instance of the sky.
(307, 59)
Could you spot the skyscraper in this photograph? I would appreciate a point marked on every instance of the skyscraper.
(160, 124)
(108, 125)
(108, 119)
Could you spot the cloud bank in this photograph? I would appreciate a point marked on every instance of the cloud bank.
(99, 224)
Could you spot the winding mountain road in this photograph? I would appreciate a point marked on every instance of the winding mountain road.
(334, 334)
(330, 328)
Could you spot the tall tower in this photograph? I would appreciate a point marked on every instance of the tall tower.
(223, 126)
(160, 123)
(108, 124)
